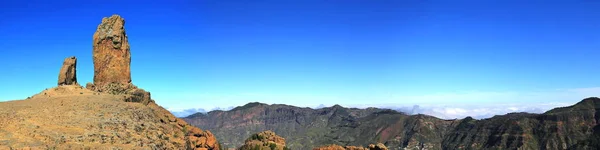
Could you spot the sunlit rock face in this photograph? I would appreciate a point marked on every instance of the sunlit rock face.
(111, 54)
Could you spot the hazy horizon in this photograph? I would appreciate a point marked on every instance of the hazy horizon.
(451, 59)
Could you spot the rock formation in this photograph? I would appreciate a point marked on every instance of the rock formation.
(68, 72)
(112, 60)
(99, 117)
(198, 139)
(266, 140)
(378, 146)
(111, 54)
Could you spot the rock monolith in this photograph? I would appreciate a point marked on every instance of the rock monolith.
(68, 72)
(111, 54)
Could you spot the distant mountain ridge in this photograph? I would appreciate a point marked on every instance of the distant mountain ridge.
(573, 127)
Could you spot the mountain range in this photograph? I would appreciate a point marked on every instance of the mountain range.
(573, 127)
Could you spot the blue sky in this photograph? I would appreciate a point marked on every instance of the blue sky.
(222, 53)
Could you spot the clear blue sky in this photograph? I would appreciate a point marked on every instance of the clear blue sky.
(220, 53)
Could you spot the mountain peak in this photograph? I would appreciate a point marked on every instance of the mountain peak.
(589, 103)
(337, 106)
(249, 105)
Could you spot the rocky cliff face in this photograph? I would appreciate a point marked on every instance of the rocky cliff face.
(111, 53)
(574, 127)
(112, 61)
(68, 72)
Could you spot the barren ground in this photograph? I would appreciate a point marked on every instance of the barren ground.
(70, 117)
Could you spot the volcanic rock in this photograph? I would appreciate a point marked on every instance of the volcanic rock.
(111, 54)
(112, 60)
(378, 146)
(266, 140)
(68, 72)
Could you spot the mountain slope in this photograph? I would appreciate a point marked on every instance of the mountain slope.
(559, 128)
(574, 127)
(300, 125)
(71, 117)
(306, 128)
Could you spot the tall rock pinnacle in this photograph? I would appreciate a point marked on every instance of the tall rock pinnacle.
(111, 54)
(112, 60)
(68, 72)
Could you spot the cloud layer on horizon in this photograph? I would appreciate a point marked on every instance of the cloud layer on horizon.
(445, 105)
(475, 111)
(439, 111)
(191, 111)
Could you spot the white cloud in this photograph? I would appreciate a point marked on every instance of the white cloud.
(477, 111)
(484, 111)
(320, 106)
(476, 104)
(187, 112)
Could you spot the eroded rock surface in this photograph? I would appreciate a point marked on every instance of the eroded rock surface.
(111, 54)
(266, 140)
(112, 61)
(68, 72)
(128, 92)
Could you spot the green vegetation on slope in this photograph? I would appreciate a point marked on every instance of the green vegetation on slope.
(305, 128)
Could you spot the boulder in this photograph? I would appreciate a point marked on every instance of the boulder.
(266, 140)
(68, 72)
(90, 86)
(198, 139)
(111, 54)
(378, 146)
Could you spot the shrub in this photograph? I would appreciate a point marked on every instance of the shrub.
(256, 147)
(184, 130)
(257, 137)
